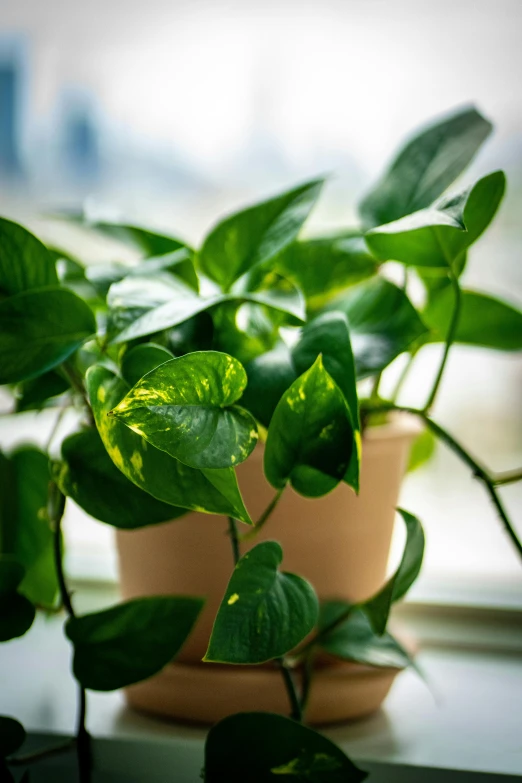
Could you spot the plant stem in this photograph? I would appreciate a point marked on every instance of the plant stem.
(477, 470)
(291, 688)
(234, 537)
(77, 384)
(402, 377)
(509, 477)
(83, 743)
(263, 518)
(450, 337)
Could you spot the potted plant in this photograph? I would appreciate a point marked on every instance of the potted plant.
(247, 355)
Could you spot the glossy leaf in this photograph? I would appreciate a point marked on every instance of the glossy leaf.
(329, 336)
(25, 532)
(310, 439)
(12, 736)
(260, 747)
(162, 476)
(25, 262)
(130, 642)
(88, 476)
(322, 267)
(378, 607)
(186, 408)
(269, 377)
(440, 235)
(16, 612)
(382, 323)
(425, 167)
(422, 450)
(141, 359)
(256, 235)
(355, 640)
(265, 613)
(186, 304)
(177, 263)
(484, 321)
(40, 329)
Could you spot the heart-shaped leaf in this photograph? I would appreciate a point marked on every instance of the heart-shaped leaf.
(260, 747)
(440, 235)
(256, 235)
(311, 438)
(186, 408)
(378, 607)
(265, 613)
(425, 167)
(40, 329)
(382, 323)
(130, 642)
(355, 640)
(16, 612)
(154, 471)
(324, 266)
(141, 359)
(88, 476)
(25, 532)
(483, 320)
(12, 736)
(25, 263)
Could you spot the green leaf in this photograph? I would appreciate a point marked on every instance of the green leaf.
(382, 323)
(151, 243)
(265, 613)
(183, 305)
(260, 747)
(25, 532)
(355, 640)
(38, 393)
(40, 329)
(422, 450)
(130, 642)
(12, 736)
(378, 607)
(310, 439)
(425, 167)
(141, 359)
(440, 235)
(324, 266)
(177, 263)
(483, 321)
(16, 612)
(186, 408)
(269, 376)
(25, 263)
(329, 336)
(244, 330)
(162, 476)
(88, 476)
(256, 235)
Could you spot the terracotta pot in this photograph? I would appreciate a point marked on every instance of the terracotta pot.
(340, 543)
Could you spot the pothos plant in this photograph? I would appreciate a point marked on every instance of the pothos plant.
(179, 363)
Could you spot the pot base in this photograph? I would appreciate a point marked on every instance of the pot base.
(207, 693)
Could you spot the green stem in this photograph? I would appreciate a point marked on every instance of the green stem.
(402, 376)
(320, 635)
(83, 740)
(450, 337)
(291, 689)
(77, 384)
(263, 518)
(509, 477)
(234, 538)
(478, 471)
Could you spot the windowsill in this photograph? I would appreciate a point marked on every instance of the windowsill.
(468, 718)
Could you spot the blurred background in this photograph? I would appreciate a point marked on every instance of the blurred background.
(171, 112)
